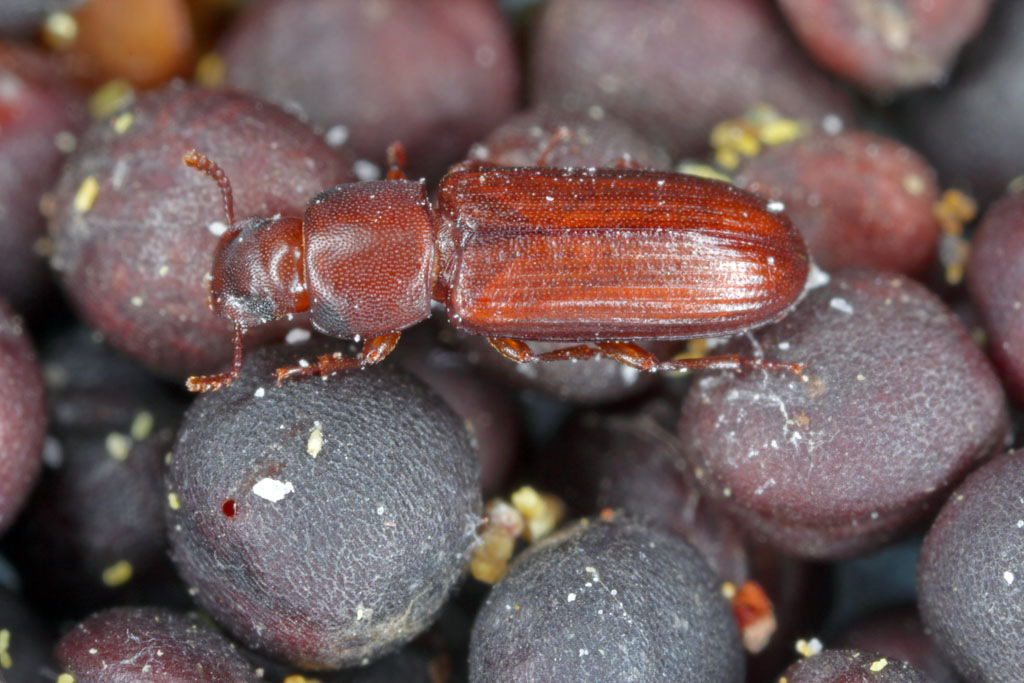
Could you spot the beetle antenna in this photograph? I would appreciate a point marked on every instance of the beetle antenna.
(204, 164)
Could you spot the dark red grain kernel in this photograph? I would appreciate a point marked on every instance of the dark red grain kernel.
(22, 416)
(969, 573)
(41, 113)
(545, 136)
(898, 633)
(435, 75)
(228, 508)
(674, 69)
(995, 280)
(132, 644)
(883, 46)
(859, 199)
(852, 666)
(972, 129)
(134, 257)
(609, 600)
(92, 534)
(357, 501)
(865, 447)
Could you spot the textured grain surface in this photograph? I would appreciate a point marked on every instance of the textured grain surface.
(859, 199)
(436, 75)
(545, 136)
(581, 254)
(971, 130)
(93, 529)
(606, 601)
(971, 571)
(133, 260)
(852, 666)
(323, 522)
(22, 416)
(899, 404)
(995, 279)
(149, 645)
(886, 46)
(37, 102)
(672, 69)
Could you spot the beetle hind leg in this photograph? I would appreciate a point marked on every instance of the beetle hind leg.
(635, 356)
(519, 351)
(374, 351)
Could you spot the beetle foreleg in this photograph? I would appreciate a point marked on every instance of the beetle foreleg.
(374, 351)
(205, 383)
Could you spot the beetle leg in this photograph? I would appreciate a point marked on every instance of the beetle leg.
(561, 134)
(206, 383)
(520, 351)
(626, 161)
(374, 351)
(396, 162)
(635, 356)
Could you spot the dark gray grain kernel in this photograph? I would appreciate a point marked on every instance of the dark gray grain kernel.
(852, 666)
(897, 405)
(970, 575)
(28, 646)
(149, 645)
(607, 600)
(323, 522)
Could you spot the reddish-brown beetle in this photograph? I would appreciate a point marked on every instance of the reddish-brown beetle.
(599, 256)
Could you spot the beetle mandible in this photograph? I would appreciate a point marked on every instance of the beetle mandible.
(600, 257)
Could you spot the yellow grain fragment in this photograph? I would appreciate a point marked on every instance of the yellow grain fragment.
(299, 678)
(490, 559)
(780, 131)
(122, 122)
(729, 590)
(142, 425)
(210, 70)
(60, 31)
(65, 678)
(117, 574)
(1016, 185)
(808, 648)
(542, 511)
(86, 195)
(700, 170)
(118, 445)
(316, 439)
(5, 645)
(173, 501)
(879, 664)
(110, 97)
